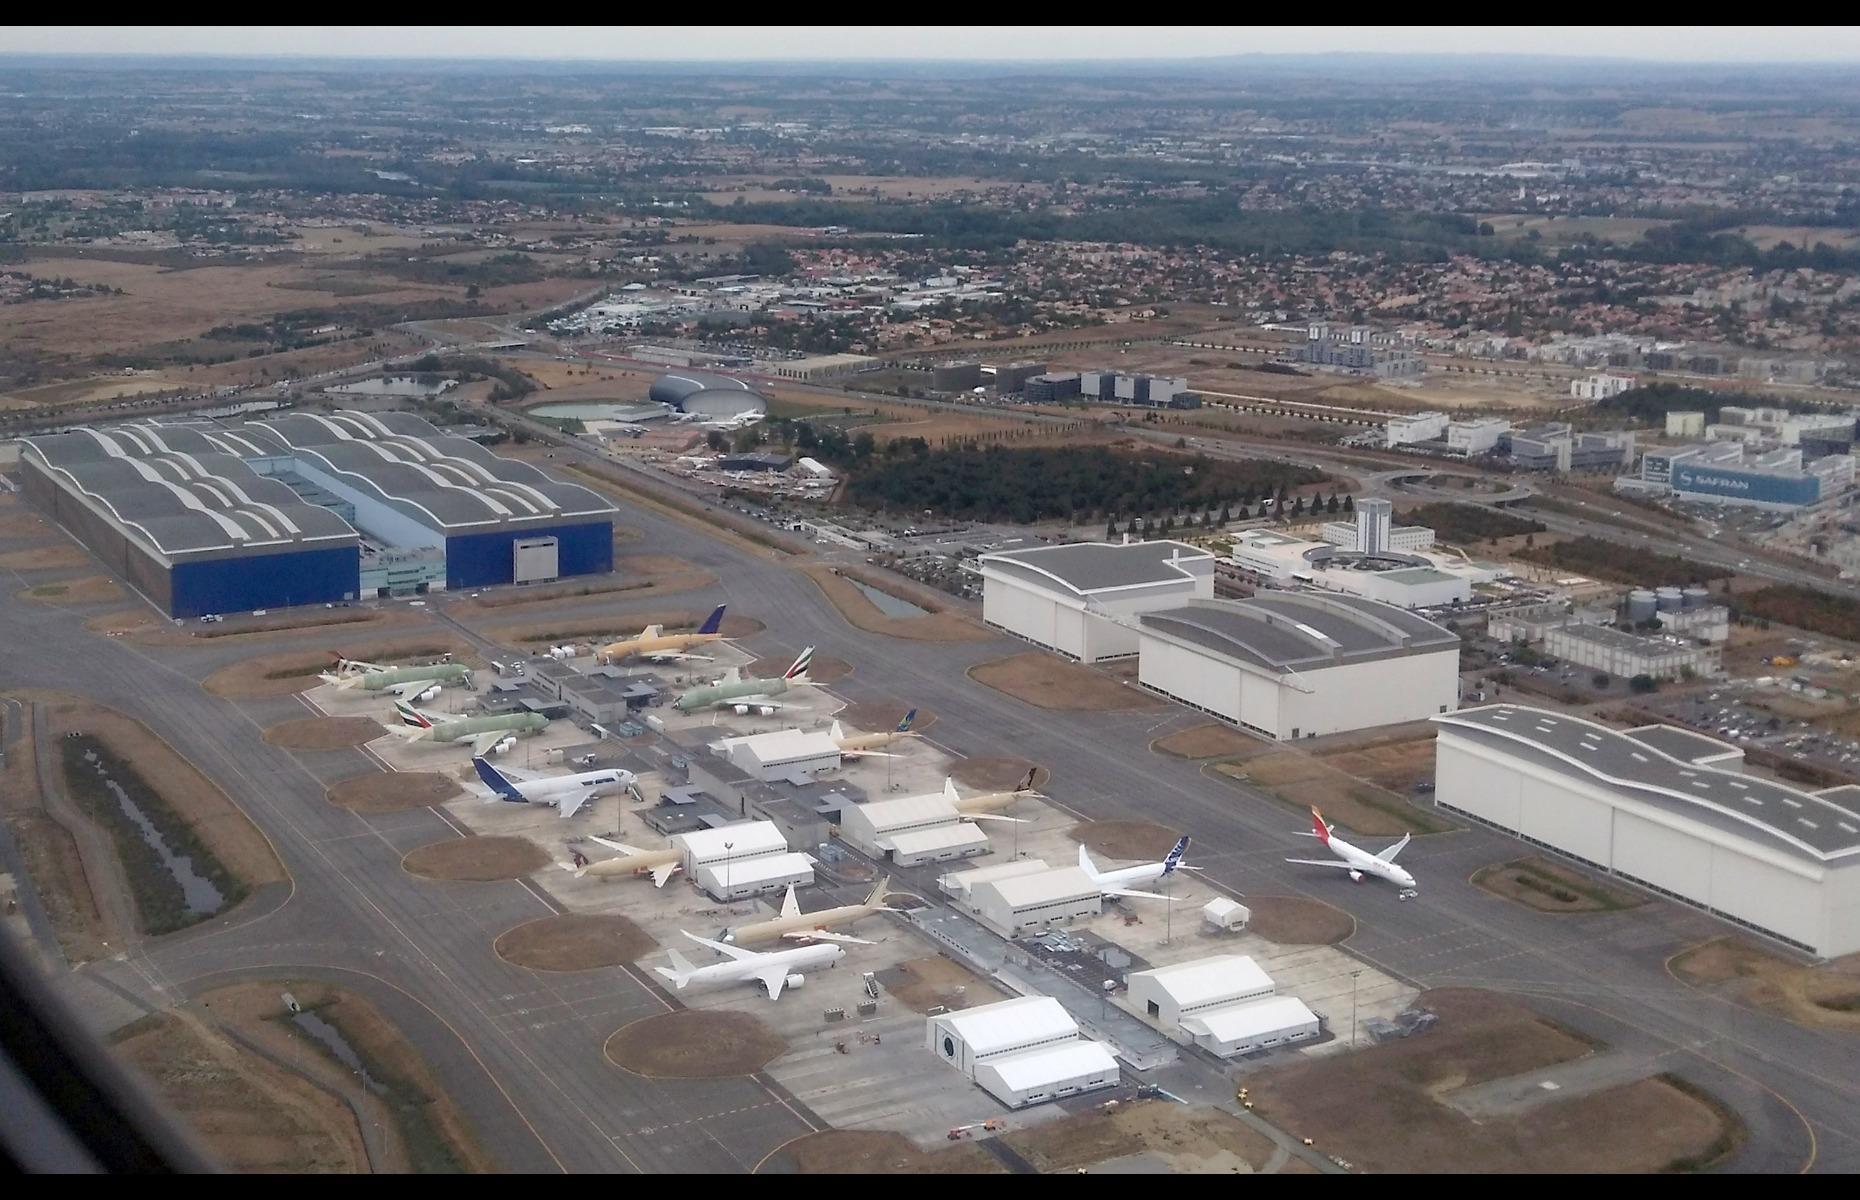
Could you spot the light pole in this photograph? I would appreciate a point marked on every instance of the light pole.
(726, 871)
(1353, 977)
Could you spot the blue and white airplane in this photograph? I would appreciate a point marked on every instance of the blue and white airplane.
(566, 792)
(1115, 883)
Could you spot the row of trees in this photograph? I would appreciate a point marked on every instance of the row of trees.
(1148, 526)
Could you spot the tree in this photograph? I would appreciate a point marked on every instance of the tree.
(1110, 529)
(1298, 509)
(1600, 679)
(1349, 504)
(1226, 514)
(1643, 684)
(1331, 507)
(716, 441)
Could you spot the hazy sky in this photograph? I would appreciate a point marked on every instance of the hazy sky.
(1722, 43)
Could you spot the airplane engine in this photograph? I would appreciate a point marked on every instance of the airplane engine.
(1356, 877)
(741, 710)
(504, 745)
(428, 694)
(795, 981)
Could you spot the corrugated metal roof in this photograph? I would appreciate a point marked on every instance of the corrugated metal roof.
(1286, 631)
(1025, 891)
(1051, 1065)
(1239, 1022)
(1022, 1021)
(941, 837)
(745, 838)
(1099, 566)
(908, 810)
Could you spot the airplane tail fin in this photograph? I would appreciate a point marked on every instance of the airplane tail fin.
(411, 716)
(798, 672)
(949, 788)
(714, 622)
(1319, 827)
(1087, 865)
(877, 898)
(497, 781)
(904, 726)
(1026, 784)
(1175, 856)
(681, 971)
(837, 733)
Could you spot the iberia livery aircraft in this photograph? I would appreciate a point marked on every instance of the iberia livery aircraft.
(1357, 862)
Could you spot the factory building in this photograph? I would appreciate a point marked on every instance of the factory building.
(1404, 578)
(956, 376)
(1477, 435)
(1138, 391)
(1051, 388)
(1011, 377)
(782, 754)
(748, 858)
(1418, 427)
(1295, 664)
(308, 508)
(1022, 904)
(1726, 473)
(1771, 858)
(1224, 1003)
(912, 830)
(1023, 1051)
(1081, 600)
(1685, 424)
(1601, 648)
(1600, 387)
(1372, 532)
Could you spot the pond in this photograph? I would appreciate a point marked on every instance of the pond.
(197, 891)
(393, 385)
(887, 603)
(331, 1039)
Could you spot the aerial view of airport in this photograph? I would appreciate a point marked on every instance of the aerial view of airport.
(1253, 601)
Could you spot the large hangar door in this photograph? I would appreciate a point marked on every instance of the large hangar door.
(536, 559)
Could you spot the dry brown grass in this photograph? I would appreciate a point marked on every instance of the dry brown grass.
(869, 1152)
(1382, 1106)
(997, 774)
(598, 631)
(324, 733)
(1827, 996)
(695, 1044)
(825, 668)
(479, 859)
(861, 613)
(1187, 1139)
(574, 942)
(1301, 782)
(921, 984)
(1131, 841)
(1298, 921)
(1037, 678)
(393, 791)
(91, 589)
(1554, 887)
(247, 1113)
(255, 1010)
(1212, 740)
(59, 557)
(51, 855)
(657, 573)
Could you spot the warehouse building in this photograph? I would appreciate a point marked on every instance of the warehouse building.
(912, 830)
(1224, 1003)
(738, 879)
(781, 754)
(1023, 1051)
(1766, 856)
(1727, 472)
(1298, 664)
(1259, 1025)
(1405, 578)
(183, 518)
(1601, 648)
(1024, 904)
(1418, 427)
(1080, 600)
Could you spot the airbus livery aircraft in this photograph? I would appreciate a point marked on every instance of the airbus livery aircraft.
(567, 792)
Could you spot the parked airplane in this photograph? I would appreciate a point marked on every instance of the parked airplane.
(773, 969)
(977, 807)
(407, 683)
(797, 926)
(867, 745)
(1358, 862)
(489, 735)
(747, 695)
(660, 864)
(655, 645)
(566, 792)
(1112, 883)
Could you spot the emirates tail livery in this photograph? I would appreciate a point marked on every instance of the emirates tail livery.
(1357, 862)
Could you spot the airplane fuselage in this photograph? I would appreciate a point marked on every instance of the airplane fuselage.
(745, 691)
(751, 970)
(466, 728)
(774, 930)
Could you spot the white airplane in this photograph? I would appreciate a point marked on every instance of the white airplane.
(773, 969)
(1357, 862)
(566, 792)
(1112, 883)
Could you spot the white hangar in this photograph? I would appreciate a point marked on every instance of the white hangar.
(1299, 664)
(1023, 1051)
(1082, 600)
(1650, 806)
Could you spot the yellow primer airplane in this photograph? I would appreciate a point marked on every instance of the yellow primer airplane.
(655, 645)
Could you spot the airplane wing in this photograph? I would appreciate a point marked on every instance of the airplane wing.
(1388, 856)
(663, 872)
(1131, 892)
(1321, 862)
(481, 745)
(773, 979)
(724, 948)
(622, 847)
(867, 754)
(408, 690)
(572, 804)
(660, 656)
(994, 817)
(823, 935)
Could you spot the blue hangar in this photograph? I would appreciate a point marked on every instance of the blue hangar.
(310, 508)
